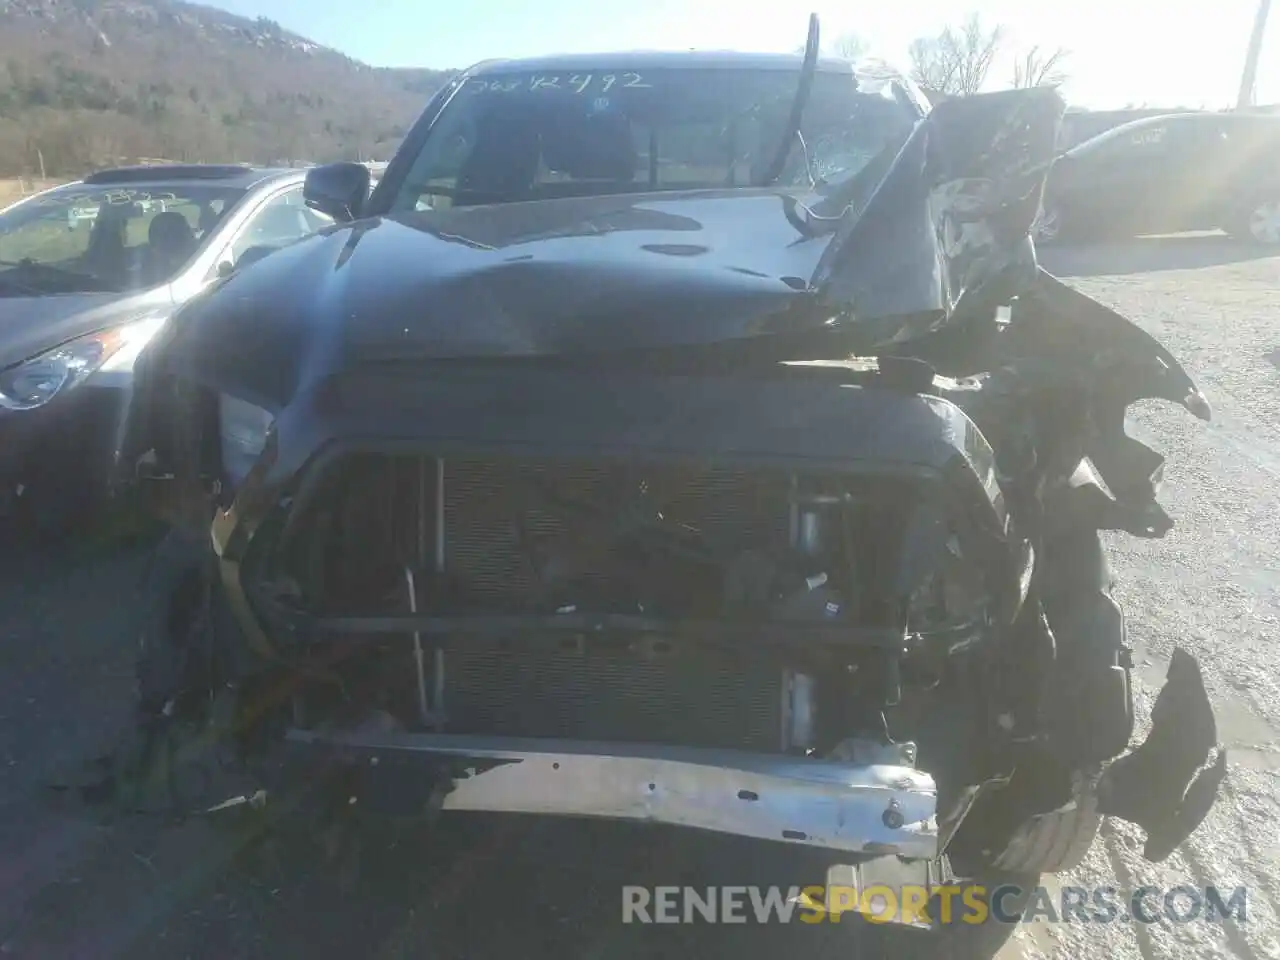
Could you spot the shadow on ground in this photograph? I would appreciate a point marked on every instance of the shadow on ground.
(1149, 255)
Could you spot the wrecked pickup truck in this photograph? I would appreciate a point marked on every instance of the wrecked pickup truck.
(684, 438)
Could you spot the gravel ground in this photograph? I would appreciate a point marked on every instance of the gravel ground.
(69, 888)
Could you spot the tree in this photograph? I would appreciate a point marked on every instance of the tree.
(202, 86)
(847, 46)
(1038, 70)
(956, 62)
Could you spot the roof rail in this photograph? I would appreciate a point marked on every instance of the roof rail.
(169, 171)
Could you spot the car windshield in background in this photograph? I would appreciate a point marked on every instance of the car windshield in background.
(84, 238)
(511, 137)
(1148, 131)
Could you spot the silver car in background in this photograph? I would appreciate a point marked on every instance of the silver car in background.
(89, 271)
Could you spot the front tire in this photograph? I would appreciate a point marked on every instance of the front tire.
(1258, 221)
(1056, 841)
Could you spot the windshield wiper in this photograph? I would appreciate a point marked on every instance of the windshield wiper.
(801, 100)
(31, 274)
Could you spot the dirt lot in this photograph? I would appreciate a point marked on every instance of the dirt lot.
(72, 889)
(14, 190)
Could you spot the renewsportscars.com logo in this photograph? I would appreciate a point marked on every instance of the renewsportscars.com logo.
(969, 903)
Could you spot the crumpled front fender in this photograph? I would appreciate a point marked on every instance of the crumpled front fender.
(1093, 364)
(1056, 322)
(945, 236)
(1167, 786)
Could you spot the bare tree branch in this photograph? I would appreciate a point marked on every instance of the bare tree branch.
(956, 62)
(847, 46)
(929, 68)
(1038, 70)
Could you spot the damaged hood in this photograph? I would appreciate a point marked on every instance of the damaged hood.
(948, 212)
(515, 280)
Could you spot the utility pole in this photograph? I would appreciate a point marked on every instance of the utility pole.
(1248, 81)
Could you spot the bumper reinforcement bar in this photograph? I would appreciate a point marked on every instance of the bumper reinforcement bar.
(866, 809)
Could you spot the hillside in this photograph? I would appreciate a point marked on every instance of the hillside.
(85, 83)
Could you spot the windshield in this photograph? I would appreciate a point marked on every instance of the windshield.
(83, 238)
(525, 136)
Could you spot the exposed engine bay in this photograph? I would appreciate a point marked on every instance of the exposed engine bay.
(734, 561)
(657, 636)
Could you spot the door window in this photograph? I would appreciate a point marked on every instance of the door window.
(278, 223)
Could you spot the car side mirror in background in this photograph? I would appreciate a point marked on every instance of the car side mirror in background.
(338, 190)
(226, 268)
(254, 254)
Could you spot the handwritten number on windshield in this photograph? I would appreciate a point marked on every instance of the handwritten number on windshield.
(574, 83)
(627, 80)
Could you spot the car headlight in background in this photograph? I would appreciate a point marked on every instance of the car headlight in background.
(136, 336)
(242, 430)
(35, 382)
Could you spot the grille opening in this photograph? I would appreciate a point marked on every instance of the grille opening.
(523, 537)
(504, 536)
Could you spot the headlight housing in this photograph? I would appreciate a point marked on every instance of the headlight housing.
(242, 433)
(35, 382)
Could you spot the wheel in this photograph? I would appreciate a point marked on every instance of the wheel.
(1258, 222)
(1056, 841)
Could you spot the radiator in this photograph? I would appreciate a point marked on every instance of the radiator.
(579, 691)
(636, 690)
(491, 517)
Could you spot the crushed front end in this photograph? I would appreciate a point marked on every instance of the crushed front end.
(663, 553)
(694, 601)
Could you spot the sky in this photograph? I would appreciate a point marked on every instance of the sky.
(1165, 53)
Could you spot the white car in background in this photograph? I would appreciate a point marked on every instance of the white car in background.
(78, 216)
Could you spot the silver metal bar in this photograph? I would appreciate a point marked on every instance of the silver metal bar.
(424, 709)
(802, 710)
(798, 709)
(880, 809)
(810, 532)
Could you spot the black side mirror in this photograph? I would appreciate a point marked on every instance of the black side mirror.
(338, 190)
